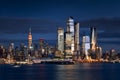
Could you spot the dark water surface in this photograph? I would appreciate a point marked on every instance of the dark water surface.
(85, 71)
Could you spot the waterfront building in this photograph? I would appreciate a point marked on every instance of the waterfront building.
(99, 53)
(112, 54)
(29, 39)
(60, 36)
(93, 39)
(85, 46)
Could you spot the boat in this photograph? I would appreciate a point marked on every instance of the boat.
(36, 61)
(16, 66)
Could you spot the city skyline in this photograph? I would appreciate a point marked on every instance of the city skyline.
(59, 39)
(18, 15)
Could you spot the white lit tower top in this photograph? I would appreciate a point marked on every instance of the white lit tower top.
(70, 25)
(93, 38)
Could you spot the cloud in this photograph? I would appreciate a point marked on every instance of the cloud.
(21, 36)
(104, 23)
(21, 25)
(109, 26)
(109, 40)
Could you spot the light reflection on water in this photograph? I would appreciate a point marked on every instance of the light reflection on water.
(86, 71)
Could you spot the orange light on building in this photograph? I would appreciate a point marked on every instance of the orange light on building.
(29, 37)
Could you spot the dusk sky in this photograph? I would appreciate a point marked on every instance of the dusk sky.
(45, 16)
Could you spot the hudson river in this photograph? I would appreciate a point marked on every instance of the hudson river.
(85, 71)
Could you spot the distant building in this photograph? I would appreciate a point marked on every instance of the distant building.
(42, 49)
(70, 28)
(12, 45)
(112, 54)
(93, 39)
(29, 39)
(85, 45)
(99, 53)
(60, 40)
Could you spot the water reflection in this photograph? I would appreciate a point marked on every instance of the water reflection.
(84, 71)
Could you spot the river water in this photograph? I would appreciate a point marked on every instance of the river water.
(83, 71)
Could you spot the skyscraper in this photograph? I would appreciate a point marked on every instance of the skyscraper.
(60, 40)
(68, 41)
(86, 45)
(42, 50)
(93, 39)
(29, 39)
(77, 42)
(70, 28)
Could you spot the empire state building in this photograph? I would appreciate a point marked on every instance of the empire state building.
(29, 39)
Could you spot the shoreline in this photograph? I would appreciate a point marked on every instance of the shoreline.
(5, 61)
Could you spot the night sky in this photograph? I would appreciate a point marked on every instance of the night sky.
(45, 16)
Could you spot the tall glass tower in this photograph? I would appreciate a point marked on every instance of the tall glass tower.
(86, 45)
(61, 39)
(70, 28)
(93, 39)
(77, 42)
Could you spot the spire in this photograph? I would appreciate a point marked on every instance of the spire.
(29, 38)
(30, 35)
(29, 30)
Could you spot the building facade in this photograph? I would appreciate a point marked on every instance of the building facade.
(77, 42)
(86, 45)
(70, 28)
(68, 42)
(93, 39)
(60, 40)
